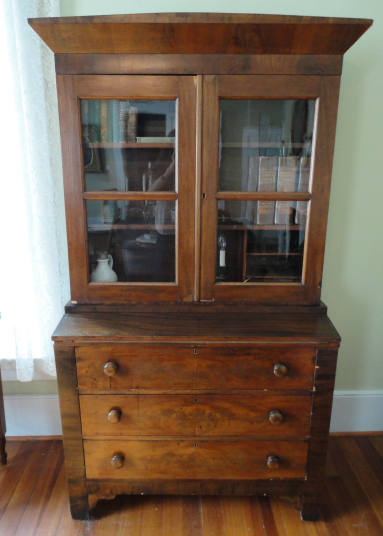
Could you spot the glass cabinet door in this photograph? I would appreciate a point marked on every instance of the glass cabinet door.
(129, 146)
(258, 190)
(137, 167)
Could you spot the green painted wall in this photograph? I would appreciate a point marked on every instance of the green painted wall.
(353, 271)
(43, 387)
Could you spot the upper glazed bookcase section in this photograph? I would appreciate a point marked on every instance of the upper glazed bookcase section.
(199, 33)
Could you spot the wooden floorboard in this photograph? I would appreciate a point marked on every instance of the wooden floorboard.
(34, 501)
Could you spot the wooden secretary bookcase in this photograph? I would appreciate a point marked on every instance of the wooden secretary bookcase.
(195, 356)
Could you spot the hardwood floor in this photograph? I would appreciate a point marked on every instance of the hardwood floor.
(33, 501)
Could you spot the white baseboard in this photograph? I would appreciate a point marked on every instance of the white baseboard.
(35, 415)
(357, 411)
(32, 415)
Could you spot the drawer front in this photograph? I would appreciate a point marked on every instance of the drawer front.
(173, 366)
(190, 415)
(139, 366)
(185, 459)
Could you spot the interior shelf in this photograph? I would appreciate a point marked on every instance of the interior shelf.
(94, 227)
(256, 279)
(271, 227)
(274, 254)
(130, 145)
(255, 145)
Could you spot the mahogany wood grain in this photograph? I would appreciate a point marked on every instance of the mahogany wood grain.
(73, 307)
(197, 64)
(209, 214)
(200, 34)
(71, 425)
(202, 487)
(252, 366)
(195, 328)
(3, 454)
(202, 17)
(149, 366)
(320, 424)
(186, 459)
(190, 415)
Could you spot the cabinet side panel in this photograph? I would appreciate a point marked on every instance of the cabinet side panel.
(324, 150)
(320, 425)
(71, 424)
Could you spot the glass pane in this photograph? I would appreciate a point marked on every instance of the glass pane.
(260, 241)
(128, 145)
(266, 145)
(131, 241)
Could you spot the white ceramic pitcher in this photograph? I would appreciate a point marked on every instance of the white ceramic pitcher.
(103, 273)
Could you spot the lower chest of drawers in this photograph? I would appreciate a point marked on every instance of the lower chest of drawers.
(158, 411)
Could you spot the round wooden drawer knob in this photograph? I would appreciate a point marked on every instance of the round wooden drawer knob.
(273, 462)
(280, 370)
(275, 416)
(117, 461)
(110, 368)
(114, 415)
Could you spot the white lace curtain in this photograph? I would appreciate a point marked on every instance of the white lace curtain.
(33, 265)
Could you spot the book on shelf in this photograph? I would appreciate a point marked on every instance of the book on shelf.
(249, 210)
(90, 118)
(96, 116)
(249, 165)
(123, 116)
(131, 127)
(267, 178)
(303, 186)
(104, 121)
(286, 182)
(115, 111)
(109, 136)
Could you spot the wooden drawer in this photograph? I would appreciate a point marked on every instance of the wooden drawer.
(188, 415)
(182, 367)
(185, 459)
